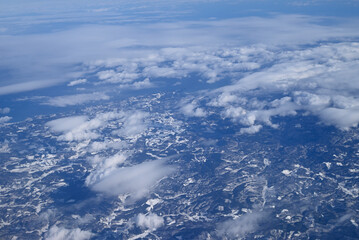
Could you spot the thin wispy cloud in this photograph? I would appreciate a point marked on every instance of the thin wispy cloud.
(70, 100)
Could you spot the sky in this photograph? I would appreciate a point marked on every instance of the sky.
(62, 54)
(250, 62)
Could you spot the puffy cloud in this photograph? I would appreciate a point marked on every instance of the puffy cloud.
(251, 130)
(70, 100)
(240, 227)
(104, 167)
(248, 117)
(75, 128)
(142, 84)
(191, 109)
(226, 99)
(61, 233)
(321, 81)
(66, 124)
(311, 100)
(137, 180)
(341, 118)
(5, 119)
(150, 221)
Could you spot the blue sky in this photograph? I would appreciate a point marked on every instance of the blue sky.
(23, 16)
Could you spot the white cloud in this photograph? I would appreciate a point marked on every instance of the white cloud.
(226, 99)
(168, 72)
(61, 233)
(191, 109)
(150, 221)
(251, 130)
(248, 117)
(5, 119)
(107, 144)
(341, 118)
(25, 86)
(117, 77)
(141, 84)
(75, 128)
(137, 180)
(321, 81)
(77, 82)
(5, 110)
(4, 147)
(54, 55)
(66, 124)
(134, 123)
(104, 167)
(70, 100)
(240, 227)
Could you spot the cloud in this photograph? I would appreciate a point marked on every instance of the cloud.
(137, 180)
(77, 82)
(105, 166)
(117, 77)
(70, 100)
(78, 128)
(61, 233)
(191, 109)
(75, 128)
(66, 124)
(55, 57)
(5, 119)
(261, 113)
(251, 130)
(321, 80)
(341, 118)
(5, 110)
(4, 147)
(25, 86)
(138, 85)
(240, 227)
(107, 144)
(134, 123)
(150, 221)
(226, 99)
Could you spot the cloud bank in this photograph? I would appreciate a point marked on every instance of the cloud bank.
(320, 80)
(55, 56)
